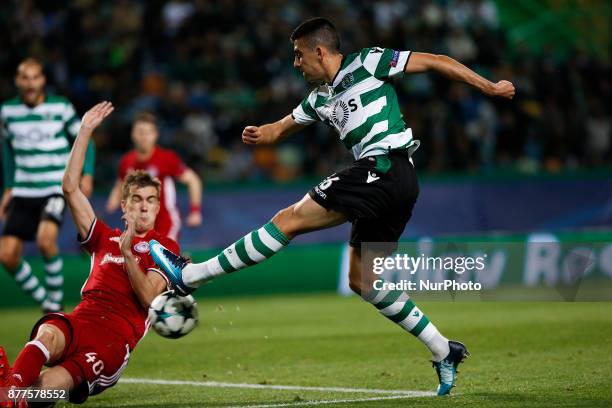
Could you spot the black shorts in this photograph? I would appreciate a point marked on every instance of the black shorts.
(376, 193)
(24, 214)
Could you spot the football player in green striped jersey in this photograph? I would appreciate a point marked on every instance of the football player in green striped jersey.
(354, 95)
(38, 130)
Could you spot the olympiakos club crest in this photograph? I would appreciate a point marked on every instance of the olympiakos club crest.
(347, 81)
(142, 247)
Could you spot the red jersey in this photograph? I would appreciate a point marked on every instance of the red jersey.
(165, 165)
(107, 295)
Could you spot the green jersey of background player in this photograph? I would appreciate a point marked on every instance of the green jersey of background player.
(354, 95)
(38, 130)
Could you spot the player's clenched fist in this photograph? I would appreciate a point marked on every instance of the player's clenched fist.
(251, 135)
(505, 89)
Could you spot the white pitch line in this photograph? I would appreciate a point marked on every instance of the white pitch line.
(344, 401)
(398, 393)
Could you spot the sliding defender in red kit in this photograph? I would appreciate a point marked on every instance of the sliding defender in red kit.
(88, 350)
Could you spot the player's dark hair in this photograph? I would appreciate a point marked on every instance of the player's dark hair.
(146, 117)
(31, 61)
(140, 179)
(318, 31)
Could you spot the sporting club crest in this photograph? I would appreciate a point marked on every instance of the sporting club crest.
(347, 81)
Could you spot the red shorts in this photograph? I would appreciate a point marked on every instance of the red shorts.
(94, 356)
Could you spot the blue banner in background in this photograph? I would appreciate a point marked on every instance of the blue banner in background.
(443, 208)
(512, 206)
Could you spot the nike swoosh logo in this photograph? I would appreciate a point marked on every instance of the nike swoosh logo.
(164, 263)
(372, 177)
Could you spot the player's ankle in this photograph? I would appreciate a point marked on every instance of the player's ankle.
(439, 350)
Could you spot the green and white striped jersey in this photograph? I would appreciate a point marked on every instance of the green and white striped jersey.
(361, 103)
(36, 145)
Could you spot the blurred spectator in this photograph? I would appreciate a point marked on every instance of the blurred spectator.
(599, 135)
(209, 68)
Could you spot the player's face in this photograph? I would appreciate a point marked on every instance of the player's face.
(144, 136)
(30, 82)
(308, 60)
(142, 205)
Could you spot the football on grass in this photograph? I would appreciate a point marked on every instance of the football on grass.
(173, 316)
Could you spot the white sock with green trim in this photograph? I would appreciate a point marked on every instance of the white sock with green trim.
(397, 306)
(55, 282)
(29, 282)
(251, 249)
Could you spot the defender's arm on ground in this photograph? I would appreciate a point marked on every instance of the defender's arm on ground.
(194, 187)
(80, 207)
(148, 286)
(421, 62)
(272, 132)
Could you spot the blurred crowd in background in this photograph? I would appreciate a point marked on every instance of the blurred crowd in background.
(210, 68)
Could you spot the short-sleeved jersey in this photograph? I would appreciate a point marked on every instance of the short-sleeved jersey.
(37, 143)
(165, 165)
(361, 103)
(107, 295)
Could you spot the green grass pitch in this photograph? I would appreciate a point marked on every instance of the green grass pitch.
(523, 354)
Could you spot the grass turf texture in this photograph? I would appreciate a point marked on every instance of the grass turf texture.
(523, 354)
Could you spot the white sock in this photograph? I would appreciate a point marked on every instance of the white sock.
(253, 248)
(397, 306)
(29, 282)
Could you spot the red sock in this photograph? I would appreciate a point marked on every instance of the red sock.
(29, 363)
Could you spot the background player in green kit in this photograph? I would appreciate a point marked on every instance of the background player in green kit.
(355, 97)
(38, 130)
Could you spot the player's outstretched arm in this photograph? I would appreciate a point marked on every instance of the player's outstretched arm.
(80, 208)
(272, 132)
(422, 62)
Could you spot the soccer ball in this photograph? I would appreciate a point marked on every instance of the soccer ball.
(173, 316)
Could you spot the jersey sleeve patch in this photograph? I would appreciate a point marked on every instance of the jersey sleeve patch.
(385, 63)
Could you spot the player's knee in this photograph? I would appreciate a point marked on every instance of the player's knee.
(285, 220)
(9, 257)
(53, 339)
(46, 245)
